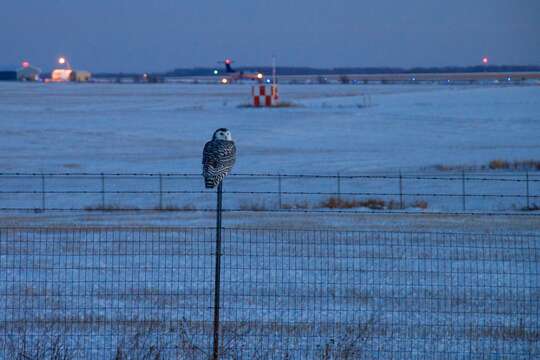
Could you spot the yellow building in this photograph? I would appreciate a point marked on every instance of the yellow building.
(65, 75)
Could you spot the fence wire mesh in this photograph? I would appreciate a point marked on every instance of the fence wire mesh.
(146, 293)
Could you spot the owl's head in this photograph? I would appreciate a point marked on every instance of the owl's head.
(222, 134)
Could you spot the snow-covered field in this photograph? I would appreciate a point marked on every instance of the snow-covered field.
(285, 294)
(377, 294)
(162, 128)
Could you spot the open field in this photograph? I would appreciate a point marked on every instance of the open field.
(285, 293)
(139, 284)
(162, 128)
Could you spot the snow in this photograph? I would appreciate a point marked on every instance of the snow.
(434, 293)
(437, 295)
(162, 128)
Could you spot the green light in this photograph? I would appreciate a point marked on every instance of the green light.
(216, 72)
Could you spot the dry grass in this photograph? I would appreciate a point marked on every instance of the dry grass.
(26, 345)
(514, 165)
(335, 202)
(72, 166)
(531, 207)
(496, 164)
(296, 205)
(499, 164)
(254, 205)
(109, 207)
(506, 332)
(351, 344)
(419, 204)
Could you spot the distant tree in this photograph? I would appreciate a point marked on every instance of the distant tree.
(344, 79)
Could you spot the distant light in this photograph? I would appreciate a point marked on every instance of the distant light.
(224, 81)
(509, 78)
(62, 60)
(413, 79)
(485, 60)
(259, 76)
(268, 81)
(145, 75)
(25, 64)
(228, 61)
(216, 72)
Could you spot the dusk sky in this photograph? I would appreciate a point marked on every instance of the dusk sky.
(142, 35)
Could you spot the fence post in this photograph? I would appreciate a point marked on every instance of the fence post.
(102, 191)
(43, 192)
(463, 190)
(217, 279)
(338, 186)
(279, 191)
(400, 190)
(160, 191)
(527, 189)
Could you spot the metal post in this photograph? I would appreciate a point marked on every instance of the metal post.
(160, 192)
(279, 191)
(102, 191)
(527, 187)
(338, 186)
(217, 279)
(400, 190)
(274, 70)
(42, 192)
(463, 190)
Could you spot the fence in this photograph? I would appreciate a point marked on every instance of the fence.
(147, 293)
(428, 192)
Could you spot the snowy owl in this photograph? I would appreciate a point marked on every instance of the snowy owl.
(219, 155)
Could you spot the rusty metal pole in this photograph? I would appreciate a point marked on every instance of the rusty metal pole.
(217, 278)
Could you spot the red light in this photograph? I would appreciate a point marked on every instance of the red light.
(25, 64)
(485, 60)
(228, 61)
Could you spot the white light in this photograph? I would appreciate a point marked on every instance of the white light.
(62, 61)
(259, 76)
(224, 81)
(216, 72)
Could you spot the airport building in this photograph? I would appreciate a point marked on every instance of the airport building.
(64, 75)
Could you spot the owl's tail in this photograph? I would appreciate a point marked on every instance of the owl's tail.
(209, 183)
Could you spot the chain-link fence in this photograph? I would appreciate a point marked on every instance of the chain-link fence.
(147, 293)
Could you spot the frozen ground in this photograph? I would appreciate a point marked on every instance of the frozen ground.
(162, 128)
(285, 294)
(390, 295)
